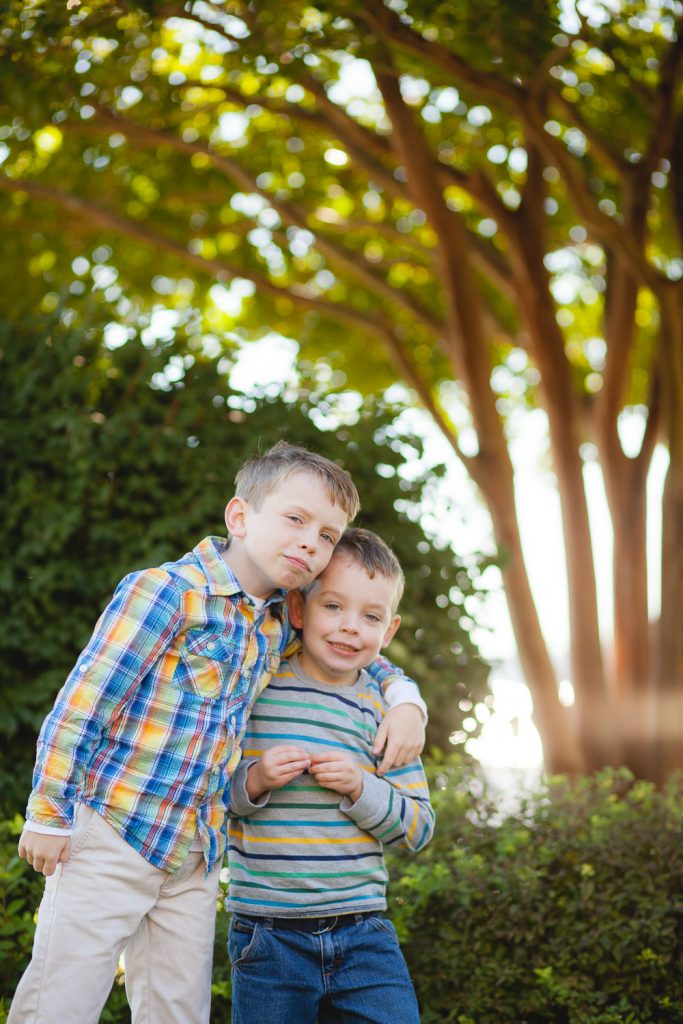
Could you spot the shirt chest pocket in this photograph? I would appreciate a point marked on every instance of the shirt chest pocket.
(209, 664)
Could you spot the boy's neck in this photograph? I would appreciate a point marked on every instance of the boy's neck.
(311, 668)
(238, 566)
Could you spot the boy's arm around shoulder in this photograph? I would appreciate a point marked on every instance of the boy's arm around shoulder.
(138, 624)
(395, 809)
(401, 734)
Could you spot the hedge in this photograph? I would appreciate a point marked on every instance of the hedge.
(568, 911)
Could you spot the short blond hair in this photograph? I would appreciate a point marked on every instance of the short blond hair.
(261, 474)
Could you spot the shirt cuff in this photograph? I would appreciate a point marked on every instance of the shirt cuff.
(372, 803)
(240, 801)
(46, 830)
(404, 692)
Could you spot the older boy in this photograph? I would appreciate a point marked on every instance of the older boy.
(141, 744)
(307, 877)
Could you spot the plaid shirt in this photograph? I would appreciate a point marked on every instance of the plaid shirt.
(147, 728)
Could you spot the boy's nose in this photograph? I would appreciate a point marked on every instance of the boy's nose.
(309, 540)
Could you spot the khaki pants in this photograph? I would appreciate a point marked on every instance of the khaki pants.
(106, 899)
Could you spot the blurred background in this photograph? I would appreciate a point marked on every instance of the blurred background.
(439, 243)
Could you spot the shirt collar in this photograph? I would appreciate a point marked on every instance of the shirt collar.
(222, 580)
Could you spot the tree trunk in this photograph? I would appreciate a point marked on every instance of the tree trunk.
(562, 752)
(670, 640)
(547, 346)
(632, 690)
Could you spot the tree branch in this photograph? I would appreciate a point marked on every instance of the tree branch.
(392, 29)
(352, 262)
(664, 119)
(92, 215)
(465, 336)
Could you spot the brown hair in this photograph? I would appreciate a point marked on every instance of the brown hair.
(261, 474)
(369, 551)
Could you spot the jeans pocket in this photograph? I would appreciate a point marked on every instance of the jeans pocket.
(381, 924)
(86, 818)
(242, 941)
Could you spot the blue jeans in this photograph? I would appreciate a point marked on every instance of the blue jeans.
(352, 975)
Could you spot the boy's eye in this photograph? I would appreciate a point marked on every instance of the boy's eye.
(373, 618)
(294, 519)
(332, 607)
(328, 538)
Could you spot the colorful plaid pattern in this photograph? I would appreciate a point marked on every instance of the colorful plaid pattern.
(146, 729)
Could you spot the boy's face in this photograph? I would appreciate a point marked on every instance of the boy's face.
(346, 619)
(288, 540)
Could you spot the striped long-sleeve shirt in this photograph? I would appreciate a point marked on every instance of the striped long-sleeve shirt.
(306, 851)
(146, 729)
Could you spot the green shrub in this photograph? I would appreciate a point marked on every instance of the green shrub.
(20, 891)
(569, 911)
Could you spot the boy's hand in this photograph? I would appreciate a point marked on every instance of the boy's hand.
(338, 772)
(401, 735)
(276, 767)
(44, 853)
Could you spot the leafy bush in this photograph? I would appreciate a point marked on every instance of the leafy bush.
(569, 911)
(20, 892)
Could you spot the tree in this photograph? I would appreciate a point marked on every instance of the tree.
(122, 458)
(501, 207)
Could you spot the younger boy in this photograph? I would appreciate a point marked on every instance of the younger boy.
(309, 815)
(131, 783)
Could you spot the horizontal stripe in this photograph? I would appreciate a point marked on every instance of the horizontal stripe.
(317, 858)
(295, 720)
(274, 903)
(303, 806)
(297, 823)
(266, 701)
(297, 737)
(304, 840)
(293, 889)
(295, 874)
(237, 851)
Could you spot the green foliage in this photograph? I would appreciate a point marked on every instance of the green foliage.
(566, 912)
(104, 473)
(211, 142)
(20, 890)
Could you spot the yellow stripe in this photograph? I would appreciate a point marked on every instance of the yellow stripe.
(310, 842)
(414, 825)
(372, 701)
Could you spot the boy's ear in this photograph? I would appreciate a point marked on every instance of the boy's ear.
(295, 607)
(393, 626)
(235, 517)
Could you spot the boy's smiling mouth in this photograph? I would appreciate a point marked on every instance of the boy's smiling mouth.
(343, 648)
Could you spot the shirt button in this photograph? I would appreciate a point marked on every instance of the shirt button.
(210, 646)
